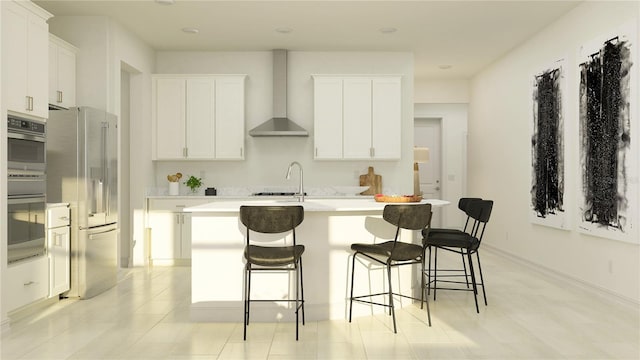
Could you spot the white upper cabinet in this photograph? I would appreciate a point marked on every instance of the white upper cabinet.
(25, 36)
(386, 117)
(169, 118)
(198, 117)
(229, 118)
(200, 126)
(327, 115)
(357, 117)
(62, 73)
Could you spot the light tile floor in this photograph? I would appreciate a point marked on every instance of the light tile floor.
(146, 316)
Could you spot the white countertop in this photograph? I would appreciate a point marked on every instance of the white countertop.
(330, 205)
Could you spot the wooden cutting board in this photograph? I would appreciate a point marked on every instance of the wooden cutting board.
(373, 181)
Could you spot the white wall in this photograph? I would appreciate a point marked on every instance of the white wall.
(446, 91)
(266, 159)
(500, 151)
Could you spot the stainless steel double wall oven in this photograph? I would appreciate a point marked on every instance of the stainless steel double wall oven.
(26, 185)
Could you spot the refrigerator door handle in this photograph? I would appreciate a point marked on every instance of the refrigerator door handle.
(105, 168)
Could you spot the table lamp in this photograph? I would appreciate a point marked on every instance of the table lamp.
(420, 155)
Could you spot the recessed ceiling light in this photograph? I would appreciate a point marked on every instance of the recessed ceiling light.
(165, 2)
(388, 30)
(445, 66)
(284, 30)
(190, 30)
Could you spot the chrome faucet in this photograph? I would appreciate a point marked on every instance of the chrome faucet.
(300, 194)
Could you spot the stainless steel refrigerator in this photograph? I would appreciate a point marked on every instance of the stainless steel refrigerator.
(82, 171)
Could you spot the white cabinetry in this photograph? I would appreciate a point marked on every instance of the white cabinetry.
(198, 117)
(25, 35)
(62, 73)
(26, 282)
(170, 240)
(357, 117)
(58, 248)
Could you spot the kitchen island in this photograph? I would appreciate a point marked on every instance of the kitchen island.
(329, 228)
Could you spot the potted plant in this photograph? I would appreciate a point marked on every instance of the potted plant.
(194, 183)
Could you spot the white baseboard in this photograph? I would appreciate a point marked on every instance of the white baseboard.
(599, 291)
(30, 309)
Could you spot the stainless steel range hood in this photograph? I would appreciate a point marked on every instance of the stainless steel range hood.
(279, 124)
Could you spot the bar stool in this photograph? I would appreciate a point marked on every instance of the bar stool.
(463, 204)
(464, 243)
(395, 253)
(273, 220)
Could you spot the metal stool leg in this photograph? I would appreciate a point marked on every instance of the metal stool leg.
(353, 268)
(302, 290)
(435, 272)
(481, 278)
(393, 311)
(473, 282)
(297, 293)
(464, 266)
(429, 274)
(247, 295)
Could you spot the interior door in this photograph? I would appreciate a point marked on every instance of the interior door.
(427, 133)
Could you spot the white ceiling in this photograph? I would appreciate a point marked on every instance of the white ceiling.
(468, 35)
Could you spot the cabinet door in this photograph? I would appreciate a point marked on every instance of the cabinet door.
(58, 241)
(200, 122)
(357, 118)
(169, 119)
(67, 77)
(327, 117)
(14, 67)
(386, 118)
(165, 235)
(38, 66)
(54, 96)
(229, 129)
(26, 281)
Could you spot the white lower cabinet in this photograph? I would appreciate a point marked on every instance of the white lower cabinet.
(170, 240)
(26, 282)
(58, 241)
(59, 248)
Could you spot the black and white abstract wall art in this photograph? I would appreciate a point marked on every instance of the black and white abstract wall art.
(547, 146)
(608, 127)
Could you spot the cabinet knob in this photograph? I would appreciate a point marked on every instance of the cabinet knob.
(29, 283)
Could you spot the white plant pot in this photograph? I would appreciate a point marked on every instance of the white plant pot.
(174, 188)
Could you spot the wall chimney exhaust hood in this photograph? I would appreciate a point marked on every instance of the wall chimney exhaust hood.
(279, 124)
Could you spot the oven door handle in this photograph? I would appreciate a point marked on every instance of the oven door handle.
(21, 136)
(20, 174)
(25, 199)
